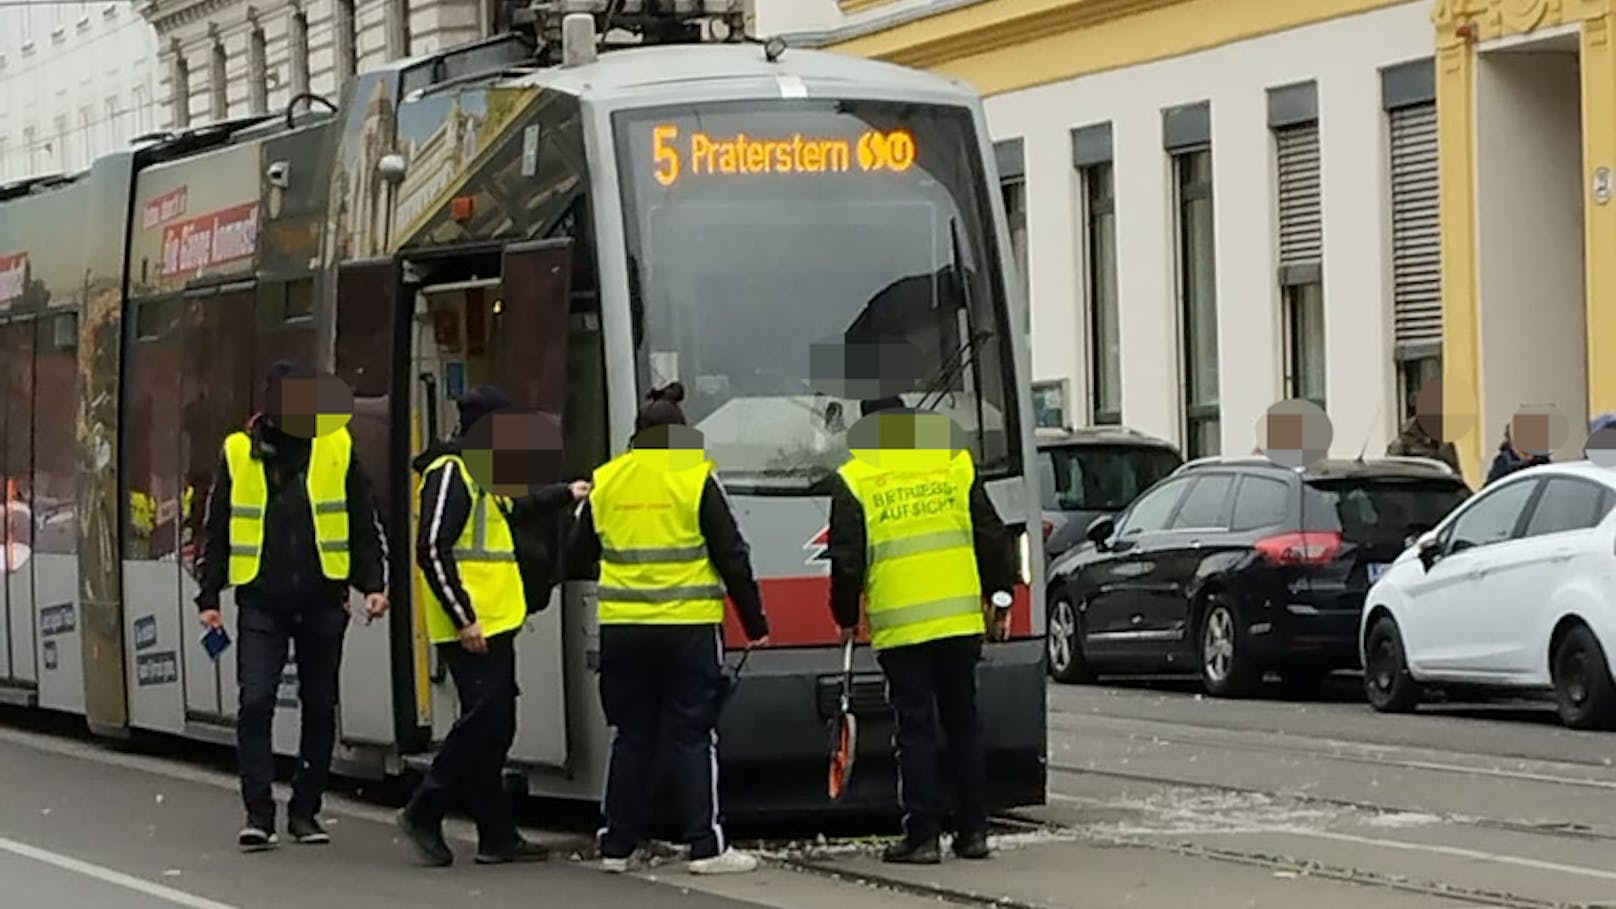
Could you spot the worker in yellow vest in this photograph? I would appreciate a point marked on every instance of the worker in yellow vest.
(913, 533)
(476, 607)
(668, 549)
(291, 525)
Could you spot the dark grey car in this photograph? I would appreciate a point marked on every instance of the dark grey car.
(1090, 472)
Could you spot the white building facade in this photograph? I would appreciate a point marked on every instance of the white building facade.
(1206, 231)
(231, 58)
(76, 80)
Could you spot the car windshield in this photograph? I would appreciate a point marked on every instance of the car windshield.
(762, 236)
(1100, 477)
(1385, 509)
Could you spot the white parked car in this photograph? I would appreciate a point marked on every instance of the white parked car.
(1514, 590)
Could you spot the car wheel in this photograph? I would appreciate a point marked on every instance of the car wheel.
(1387, 682)
(1227, 668)
(1582, 683)
(1065, 644)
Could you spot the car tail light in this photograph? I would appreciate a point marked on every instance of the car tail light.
(1305, 548)
(1049, 528)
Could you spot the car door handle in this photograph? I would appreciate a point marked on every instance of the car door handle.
(1563, 555)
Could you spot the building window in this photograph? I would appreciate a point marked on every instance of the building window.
(1409, 96)
(30, 150)
(180, 85)
(1100, 260)
(139, 115)
(346, 42)
(257, 71)
(64, 159)
(218, 84)
(1197, 285)
(113, 123)
(1049, 404)
(300, 52)
(397, 23)
(86, 137)
(1293, 112)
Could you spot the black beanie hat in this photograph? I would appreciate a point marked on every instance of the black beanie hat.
(879, 404)
(480, 402)
(661, 408)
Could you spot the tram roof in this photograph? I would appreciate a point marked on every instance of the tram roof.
(630, 69)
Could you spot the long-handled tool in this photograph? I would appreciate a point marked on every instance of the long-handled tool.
(844, 742)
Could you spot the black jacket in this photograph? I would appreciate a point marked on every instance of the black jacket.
(446, 507)
(289, 573)
(727, 549)
(995, 563)
(1507, 462)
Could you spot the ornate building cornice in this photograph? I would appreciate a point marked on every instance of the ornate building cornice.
(168, 15)
(1458, 21)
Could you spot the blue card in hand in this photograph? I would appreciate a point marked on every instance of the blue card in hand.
(215, 641)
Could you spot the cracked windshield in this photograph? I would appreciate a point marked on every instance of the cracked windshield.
(790, 260)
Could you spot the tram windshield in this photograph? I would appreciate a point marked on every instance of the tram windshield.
(790, 259)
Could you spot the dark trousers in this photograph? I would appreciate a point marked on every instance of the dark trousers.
(315, 631)
(659, 685)
(471, 763)
(932, 689)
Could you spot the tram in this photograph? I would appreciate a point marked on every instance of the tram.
(577, 221)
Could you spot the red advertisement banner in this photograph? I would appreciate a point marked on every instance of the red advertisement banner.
(193, 246)
(164, 208)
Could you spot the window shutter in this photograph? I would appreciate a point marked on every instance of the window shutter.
(1416, 235)
(1301, 219)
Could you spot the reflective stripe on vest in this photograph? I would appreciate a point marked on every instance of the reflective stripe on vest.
(326, 483)
(485, 558)
(654, 568)
(921, 582)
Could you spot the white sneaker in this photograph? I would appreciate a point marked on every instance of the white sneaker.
(614, 865)
(730, 861)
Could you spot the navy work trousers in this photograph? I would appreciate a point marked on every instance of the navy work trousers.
(315, 630)
(932, 689)
(660, 687)
(471, 763)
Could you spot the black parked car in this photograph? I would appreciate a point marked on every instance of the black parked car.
(1235, 566)
(1087, 473)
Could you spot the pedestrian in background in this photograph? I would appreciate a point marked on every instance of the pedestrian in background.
(668, 549)
(477, 606)
(1414, 442)
(291, 525)
(914, 534)
(1511, 458)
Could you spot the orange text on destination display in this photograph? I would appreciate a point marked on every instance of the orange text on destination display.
(675, 154)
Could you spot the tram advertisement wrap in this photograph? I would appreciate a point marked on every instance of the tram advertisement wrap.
(201, 244)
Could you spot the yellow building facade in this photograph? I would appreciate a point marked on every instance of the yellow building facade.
(1526, 99)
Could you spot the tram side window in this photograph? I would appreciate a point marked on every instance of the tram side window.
(16, 449)
(282, 333)
(56, 449)
(151, 453)
(216, 388)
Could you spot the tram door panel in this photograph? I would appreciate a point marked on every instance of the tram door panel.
(451, 355)
(16, 475)
(530, 344)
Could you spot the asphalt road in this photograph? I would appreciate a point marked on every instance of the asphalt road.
(1158, 797)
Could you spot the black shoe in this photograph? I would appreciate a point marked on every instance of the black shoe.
(971, 845)
(258, 835)
(913, 852)
(523, 851)
(428, 841)
(306, 830)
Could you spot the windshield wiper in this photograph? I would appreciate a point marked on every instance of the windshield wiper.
(965, 354)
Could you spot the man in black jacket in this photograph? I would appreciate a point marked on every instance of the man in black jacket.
(932, 683)
(282, 567)
(478, 598)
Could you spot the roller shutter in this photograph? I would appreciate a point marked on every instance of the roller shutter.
(1416, 236)
(1301, 220)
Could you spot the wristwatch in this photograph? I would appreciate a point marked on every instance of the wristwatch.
(1000, 600)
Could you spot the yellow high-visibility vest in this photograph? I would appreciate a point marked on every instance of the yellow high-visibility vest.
(921, 583)
(327, 484)
(485, 559)
(654, 568)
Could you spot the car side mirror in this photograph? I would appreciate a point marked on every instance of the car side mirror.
(1100, 530)
(1430, 549)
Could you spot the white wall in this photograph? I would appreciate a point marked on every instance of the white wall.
(1344, 56)
(58, 60)
(786, 17)
(1530, 193)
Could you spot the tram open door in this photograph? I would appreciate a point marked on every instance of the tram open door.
(509, 331)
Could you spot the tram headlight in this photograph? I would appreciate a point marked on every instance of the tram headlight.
(1024, 552)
